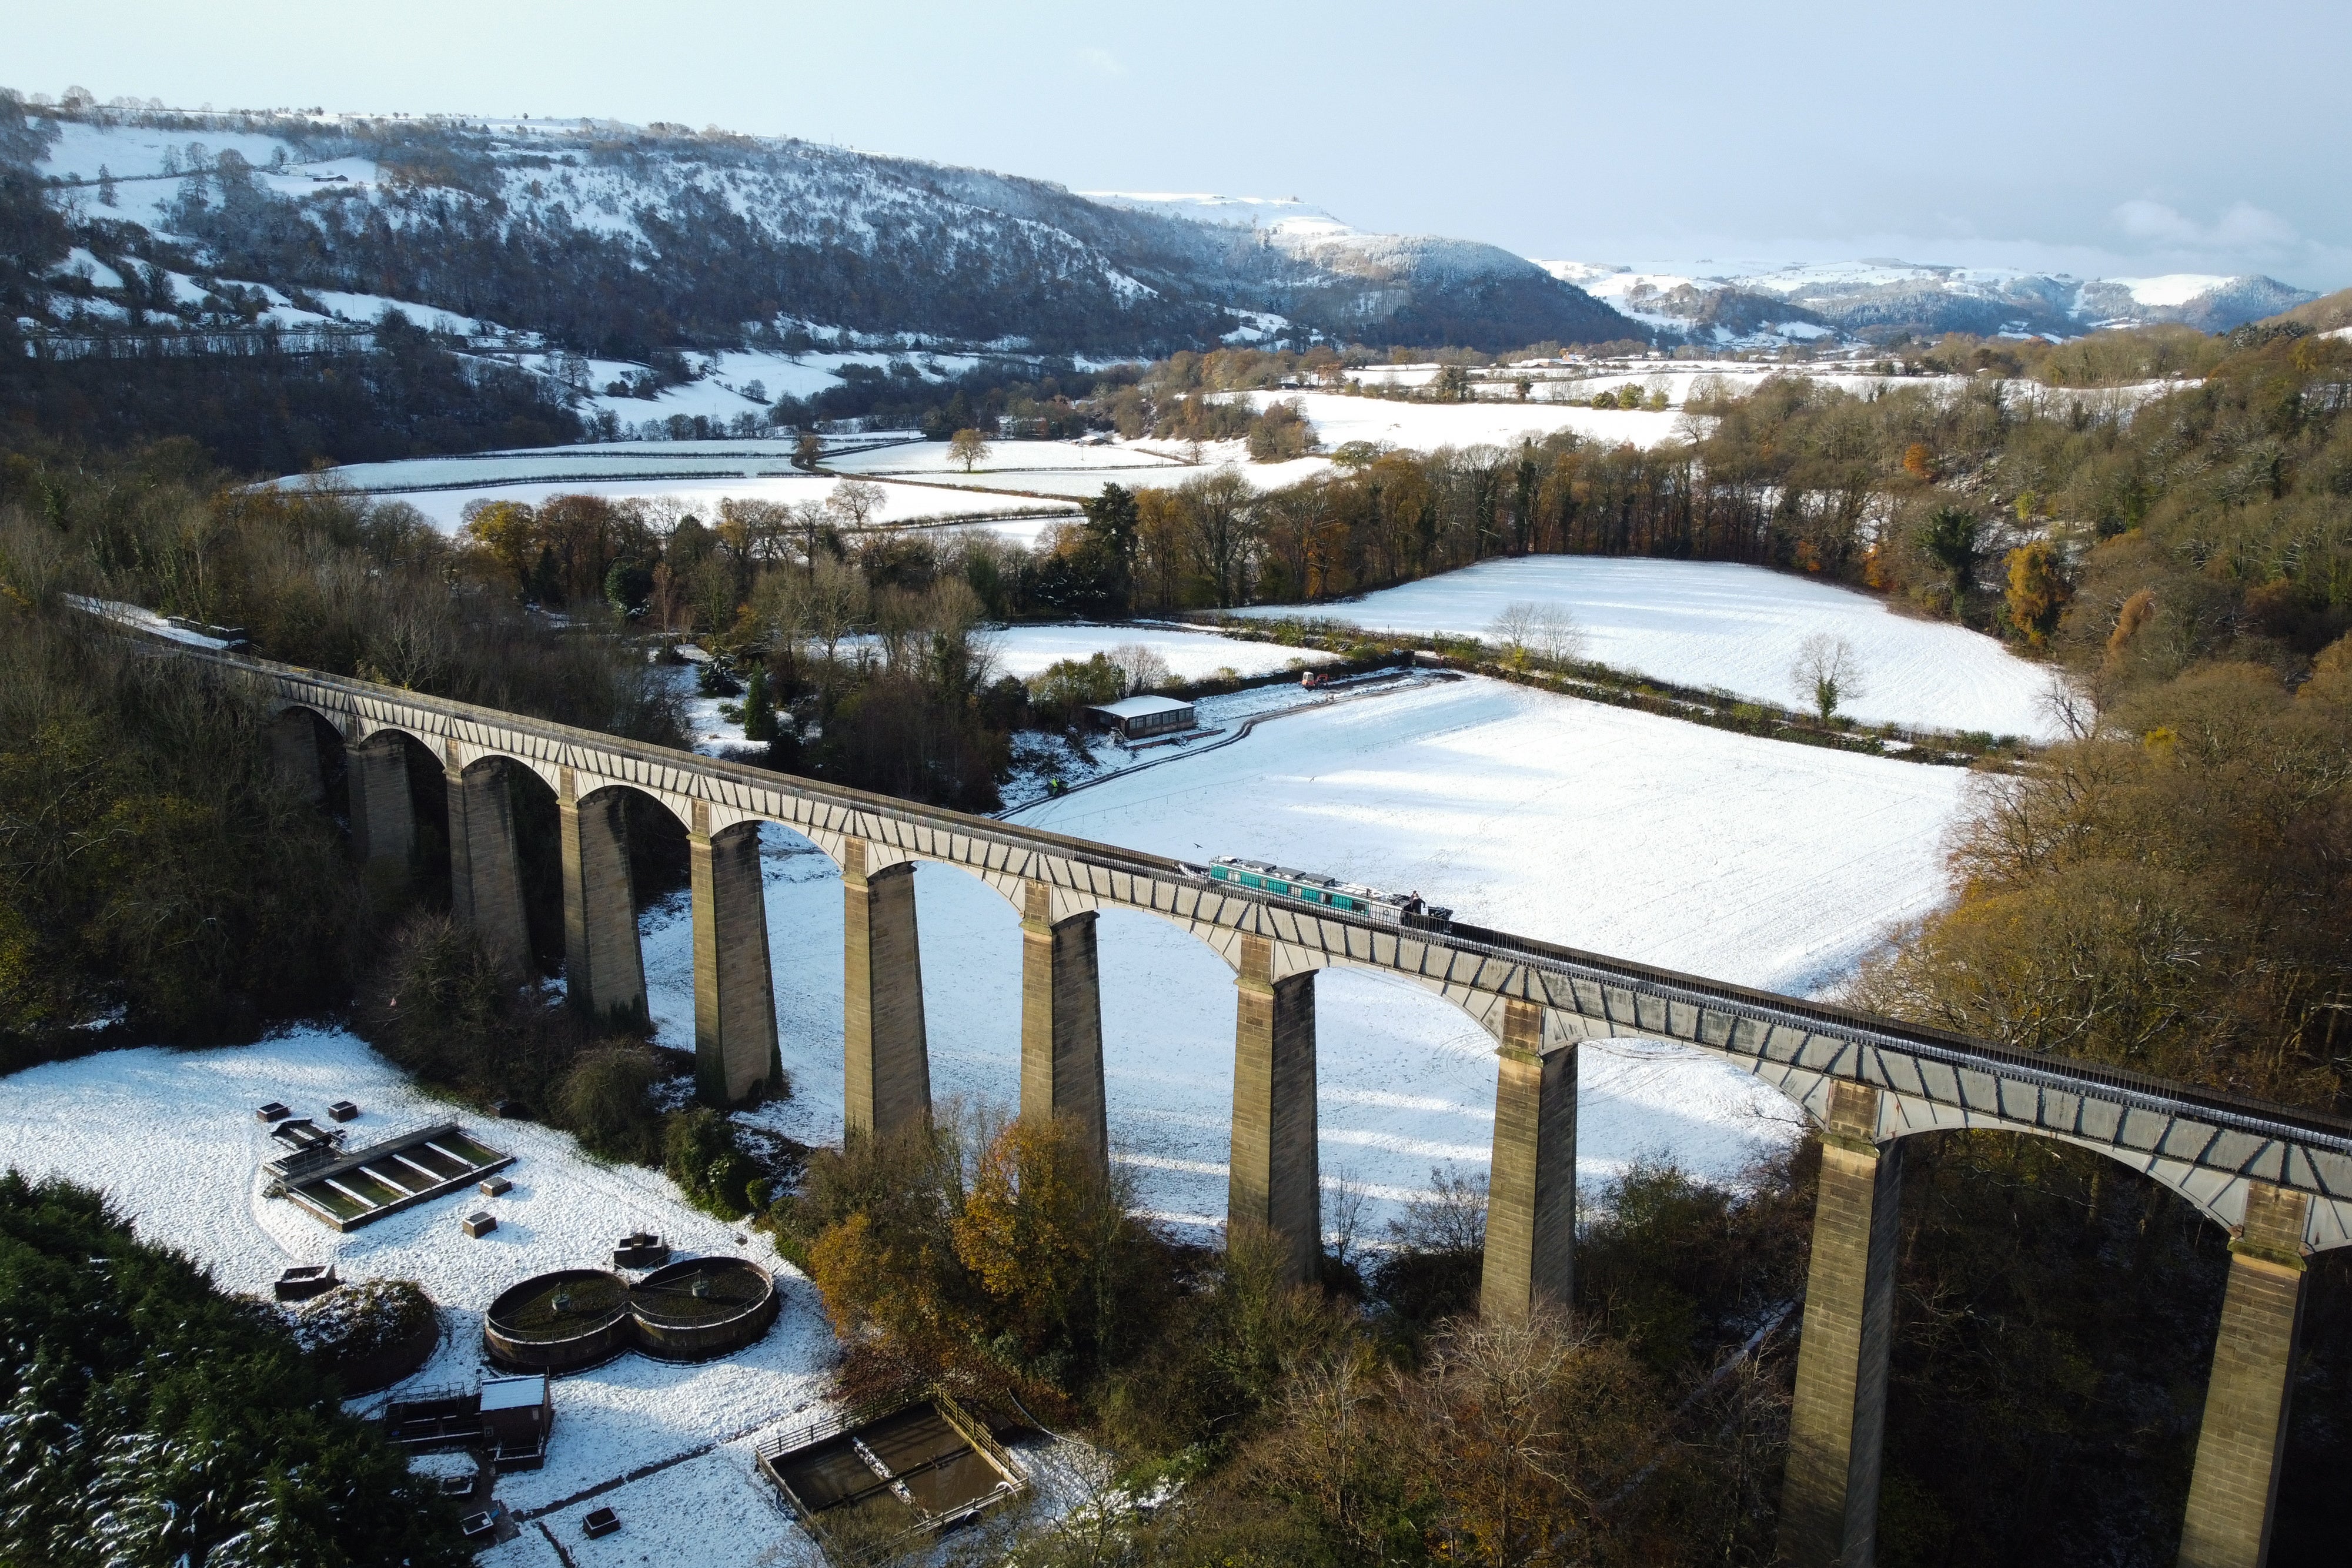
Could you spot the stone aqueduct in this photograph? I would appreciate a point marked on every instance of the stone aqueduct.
(2279, 1181)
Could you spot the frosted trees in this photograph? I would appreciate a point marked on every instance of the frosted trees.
(1826, 673)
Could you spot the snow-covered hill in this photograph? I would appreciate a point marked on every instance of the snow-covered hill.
(1807, 300)
(610, 239)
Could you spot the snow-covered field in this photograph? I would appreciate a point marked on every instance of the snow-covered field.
(1771, 865)
(457, 482)
(1425, 426)
(932, 459)
(1721, 625)
(1025, 651)
(1750, 859)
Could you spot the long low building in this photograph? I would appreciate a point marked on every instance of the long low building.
(1133, 718)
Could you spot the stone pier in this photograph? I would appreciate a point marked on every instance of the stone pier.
(887, 1052)
(2233, 1490)
(294, 753)
(604, 970)
(1829, 1500)
(383, 818)
(1061, 1021)
(735, 1055)
(1531, 1188)
(1275, 1182)
(484, 862)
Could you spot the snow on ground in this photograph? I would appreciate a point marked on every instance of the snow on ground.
(1766, 864)
(932, 459)
(1425, 426)
(1073, 469)
(1026, 651)
(1720, 625)
(1728, 855)
(370, 308)
(443, 503)
(172, 1137)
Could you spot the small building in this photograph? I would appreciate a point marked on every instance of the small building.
(517, 1413)
(1135, 718)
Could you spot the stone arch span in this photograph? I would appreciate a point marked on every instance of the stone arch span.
(2281, 1178)
(2204, 1145)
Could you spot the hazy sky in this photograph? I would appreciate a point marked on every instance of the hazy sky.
(2095, 137)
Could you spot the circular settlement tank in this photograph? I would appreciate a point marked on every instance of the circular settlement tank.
(701, 1307)
(559, 1322)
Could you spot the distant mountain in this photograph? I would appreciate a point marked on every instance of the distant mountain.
(1432, 290)
(616, 240)
(1879, 298)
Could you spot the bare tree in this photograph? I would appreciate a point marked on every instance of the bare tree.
(1449, 1218)
(1144, 669)
(968, 447)
(1512, 629)
(855, 501)
(1826, 673)
(1554, 637)
(1542, 634)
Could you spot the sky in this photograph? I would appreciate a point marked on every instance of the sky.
(2088, 137)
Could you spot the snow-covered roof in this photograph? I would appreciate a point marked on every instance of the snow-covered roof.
(1138, 707)
(514, 1393)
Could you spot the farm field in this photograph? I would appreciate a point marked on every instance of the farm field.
(1026, 651)
(1745, 859)
(1339, 419)
(685, 474)
(1721, 625)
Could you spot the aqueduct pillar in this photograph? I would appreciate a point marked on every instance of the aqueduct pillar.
(2233, 1490)
(603, 969)
(886, 1053)
(1829, 1502)
(294, 754)
(383, 818)
(1061, 1021)
(1275, 1183)
(486, 861)
(735, 1050)
(1531, 1188)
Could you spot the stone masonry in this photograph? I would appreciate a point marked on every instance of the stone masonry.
(604, 970)
(485, 867)
(383, 818)
(887, 1054)
(1275, 1183)
(294, 755)
(1531, 1185)
(1061, 1021)
(1829, 1501)
(736, 1054)
(2233, 1490)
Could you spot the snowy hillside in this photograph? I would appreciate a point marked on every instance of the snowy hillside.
(1754, 305)
(613, 239)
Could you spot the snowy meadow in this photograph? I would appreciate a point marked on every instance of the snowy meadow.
(1720, 625)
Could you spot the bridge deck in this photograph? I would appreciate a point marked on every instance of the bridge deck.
(2206, 1145)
